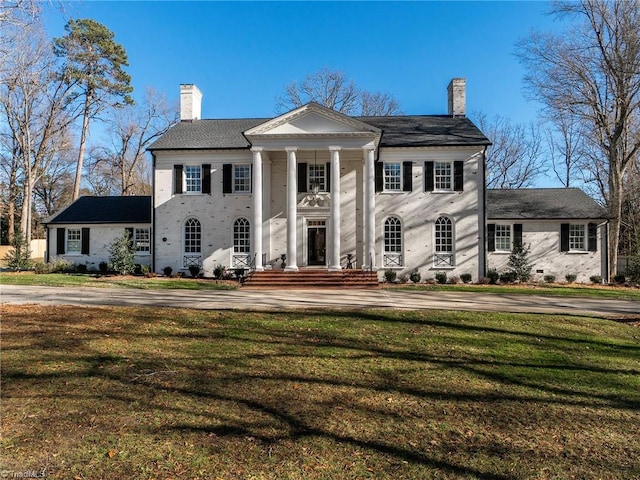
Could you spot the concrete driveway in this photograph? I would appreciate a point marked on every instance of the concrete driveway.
(247, 299)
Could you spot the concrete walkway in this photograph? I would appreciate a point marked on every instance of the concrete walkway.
(247, 299)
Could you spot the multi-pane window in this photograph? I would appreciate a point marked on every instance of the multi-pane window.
(393, 177)
(503, 238)
(444, 243)
(241, 178)
(74, 240)
(142, 240)
(193, 178)
(577, 237)
(317, 177)
(241, 236)
(392, 256)
(442, 175)
(192, 236)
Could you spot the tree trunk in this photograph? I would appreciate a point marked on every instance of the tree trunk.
(83, 142)
(615, 212)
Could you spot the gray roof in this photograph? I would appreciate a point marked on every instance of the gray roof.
(132, 209)
(397, 131)
(426, 131)
(542, 203)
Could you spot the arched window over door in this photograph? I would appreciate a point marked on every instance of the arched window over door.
(192, 243)
(392, 255)
(241, 244)
(443, 255)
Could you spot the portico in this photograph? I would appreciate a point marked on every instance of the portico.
(313, 192)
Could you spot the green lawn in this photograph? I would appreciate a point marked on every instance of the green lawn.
(95, 280)
(118, 392)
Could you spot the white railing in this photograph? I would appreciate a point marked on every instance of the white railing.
(392, 260)
(240, 260)
(192, 261)
(443, 260)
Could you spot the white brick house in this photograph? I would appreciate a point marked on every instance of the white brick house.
(316, 186)
(564, 228)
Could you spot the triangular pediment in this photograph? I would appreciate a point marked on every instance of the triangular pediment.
(313, 119)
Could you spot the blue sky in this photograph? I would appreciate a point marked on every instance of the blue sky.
(242, 54)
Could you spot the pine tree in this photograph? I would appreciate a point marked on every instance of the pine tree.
(519, 264)
(122, 254)
(94, 65)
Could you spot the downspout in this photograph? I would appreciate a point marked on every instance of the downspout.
(46, 252)
(484, 212)
(605, 247)
(153, 212)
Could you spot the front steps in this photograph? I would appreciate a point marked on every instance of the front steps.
(312, 278)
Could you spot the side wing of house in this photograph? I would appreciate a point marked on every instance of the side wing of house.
(83, 232)
(565, 230)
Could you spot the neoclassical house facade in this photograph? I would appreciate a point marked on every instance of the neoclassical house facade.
(314, 188)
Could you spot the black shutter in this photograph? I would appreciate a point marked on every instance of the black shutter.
(564, 237)
(328, 177)
(84, 241)
(517, 234)
(491, 237)
(129, 230)
(227, 178)
(206, 178)
(428, 176)
(458, 176)
(593, 237)
(177, 179)
(379, 173)
(407, 176)
(61, 237)
(302, 178)
(251, 178)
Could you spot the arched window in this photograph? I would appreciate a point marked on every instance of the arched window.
(192, 243)
(241, 243)
(443, 256)
(392, 256)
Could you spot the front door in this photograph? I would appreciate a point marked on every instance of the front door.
(317, 243)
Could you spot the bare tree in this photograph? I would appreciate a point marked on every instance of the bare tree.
(592, 75)
(32, 105)
(123, 163)
(514, 159)
(566, 150)
(332, 89)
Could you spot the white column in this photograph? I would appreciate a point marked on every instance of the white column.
(335, 209)
(256, 229)
(292, 210)
(369, 210)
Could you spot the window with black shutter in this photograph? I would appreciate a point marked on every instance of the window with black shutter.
(85, 242)
(517, 234)
(428, 177)
(177, 179)
(407, 176)
(227, 178)
(61, 237)
(458, 176)
(206, 178)
(379, 173)
(593, 237)
(302, 178)
(564, 237)
(491, 237)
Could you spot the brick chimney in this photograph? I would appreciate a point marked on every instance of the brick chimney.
(190, 103)
(457, 97)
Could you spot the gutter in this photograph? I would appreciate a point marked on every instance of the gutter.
(153, 212)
